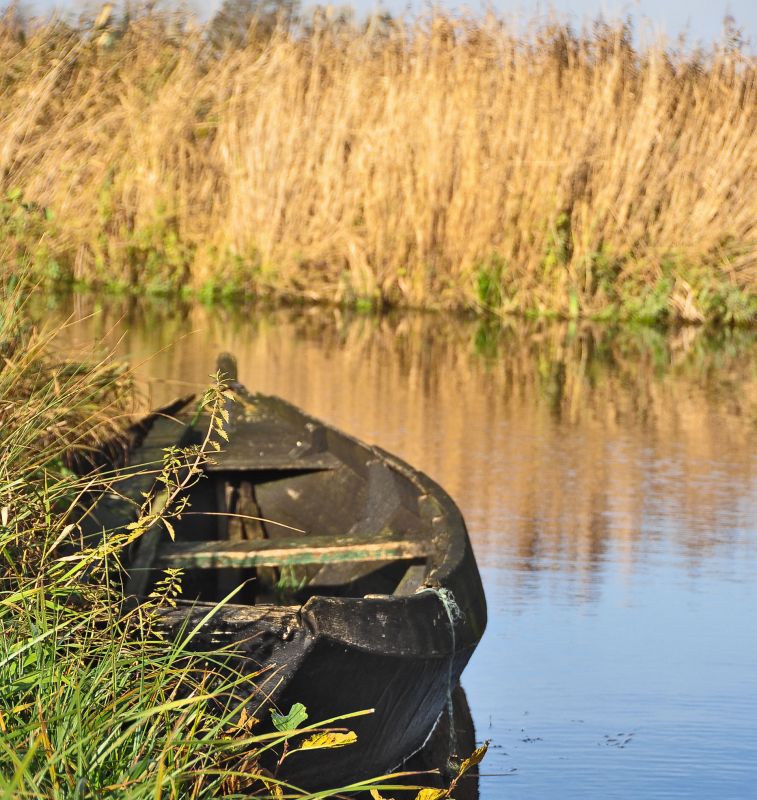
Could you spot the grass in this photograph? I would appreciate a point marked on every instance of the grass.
(437, 162)
(93, 700)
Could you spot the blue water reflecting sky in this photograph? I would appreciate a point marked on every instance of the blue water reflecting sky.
(646, 687)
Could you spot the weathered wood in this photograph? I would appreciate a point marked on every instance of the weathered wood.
(262, 461)
(412, 580)
(286, 552)
(342, 574)
(241, 525)
(227, 367)
(263, 436)
(361, 613)
(147, 547)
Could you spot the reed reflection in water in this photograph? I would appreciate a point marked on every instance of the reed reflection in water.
(608, 481)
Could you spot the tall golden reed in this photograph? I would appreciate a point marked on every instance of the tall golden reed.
(439, 163)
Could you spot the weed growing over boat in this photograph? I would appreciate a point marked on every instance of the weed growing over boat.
(436, 162)
(92, 701)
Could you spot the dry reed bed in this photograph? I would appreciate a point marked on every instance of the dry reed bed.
(437, 163)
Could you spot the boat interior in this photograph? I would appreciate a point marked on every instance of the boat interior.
(286, 513)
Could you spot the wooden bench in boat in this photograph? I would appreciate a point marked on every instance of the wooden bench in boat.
(288, 552)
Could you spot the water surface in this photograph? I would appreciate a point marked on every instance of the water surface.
(609, 485)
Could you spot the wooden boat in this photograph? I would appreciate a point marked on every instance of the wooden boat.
(359, 586)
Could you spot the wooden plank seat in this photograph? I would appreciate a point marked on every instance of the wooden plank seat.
(262, 461)
(286, 552)
(266, 442)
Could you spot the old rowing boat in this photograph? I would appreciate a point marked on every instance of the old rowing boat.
(359, 588)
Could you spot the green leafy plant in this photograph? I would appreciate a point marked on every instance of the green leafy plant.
(489, 283)
(27, 233)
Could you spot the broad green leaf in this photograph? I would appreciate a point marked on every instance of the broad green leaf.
(291, 721)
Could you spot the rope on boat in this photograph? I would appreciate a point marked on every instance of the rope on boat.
(454, 613)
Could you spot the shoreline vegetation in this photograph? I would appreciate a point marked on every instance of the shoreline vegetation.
(93, 700)
(437, 163)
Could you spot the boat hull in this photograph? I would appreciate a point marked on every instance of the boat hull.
(392, 636)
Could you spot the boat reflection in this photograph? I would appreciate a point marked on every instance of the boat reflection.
(452, 741)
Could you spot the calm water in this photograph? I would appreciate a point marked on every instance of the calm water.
(610, 489)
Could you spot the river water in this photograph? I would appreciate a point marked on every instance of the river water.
(609, 483)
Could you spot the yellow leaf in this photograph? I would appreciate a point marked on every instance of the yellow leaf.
(170, 529)
(334, 739)
(329, 739)
(246, 722)
(475, 758)
(222, 433)
(431, 794)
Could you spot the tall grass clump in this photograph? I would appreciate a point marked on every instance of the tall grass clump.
(435, 162)
(94, 700)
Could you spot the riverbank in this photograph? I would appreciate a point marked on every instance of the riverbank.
(436, 163)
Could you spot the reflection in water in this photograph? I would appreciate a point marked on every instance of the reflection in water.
(558, 438)
(608, 481)
(452, 741)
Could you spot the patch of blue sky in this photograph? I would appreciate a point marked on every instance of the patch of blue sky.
(700, 20)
